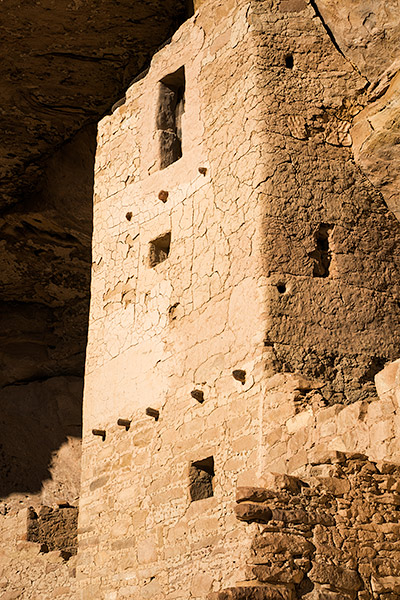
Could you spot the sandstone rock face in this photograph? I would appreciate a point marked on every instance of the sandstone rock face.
(40, 442)
(366, 31)
(44, 285)
(368, 34)
(57, 77)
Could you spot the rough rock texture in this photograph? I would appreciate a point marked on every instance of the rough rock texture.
(331, 535)
(368, 33)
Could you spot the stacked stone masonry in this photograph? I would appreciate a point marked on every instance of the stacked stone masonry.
(333, 535)
(244, 320)
(38, 569)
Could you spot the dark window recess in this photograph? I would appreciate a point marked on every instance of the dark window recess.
(201, 475)
(289, 61)
(54, 529)
(171, 106)
(322, 253)
(159, 249)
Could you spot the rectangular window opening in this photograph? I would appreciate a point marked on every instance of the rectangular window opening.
(322, 254)
(171, 106)
(201, 474)
(159, 249)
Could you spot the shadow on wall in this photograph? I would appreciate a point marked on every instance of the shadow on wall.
(45, 288)
(39, 424)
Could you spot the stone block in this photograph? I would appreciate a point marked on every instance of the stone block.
(278, 572)
(251, 592)
(251, 511)
(201, 584)
(281, 543)
(146, 551)
(321, 455)
(388, 379)
(385, 585)
(292, 6)
(336, 577)
(335, 485)
(254, 494)
(281, 481)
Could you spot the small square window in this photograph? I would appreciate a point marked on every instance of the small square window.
(159, 249)
(201, 474)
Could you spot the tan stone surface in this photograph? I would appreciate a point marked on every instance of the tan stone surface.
(332, 538)
(366, 31)
(282, 269)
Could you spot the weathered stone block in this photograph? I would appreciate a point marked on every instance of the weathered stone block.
(281, 543)
(268, 592)
(251, 511)
(336, 577)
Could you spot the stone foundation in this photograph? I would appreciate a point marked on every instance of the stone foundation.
(330, 535)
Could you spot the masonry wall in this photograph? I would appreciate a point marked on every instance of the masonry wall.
(332, 535)
(33, 569)
(158, 333)
(281, 258)
(330, 244)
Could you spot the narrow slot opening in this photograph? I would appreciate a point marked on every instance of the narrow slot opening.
(322, 254)
(171, 107)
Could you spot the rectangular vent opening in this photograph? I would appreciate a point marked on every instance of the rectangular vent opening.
(159, 249)
(201, 474)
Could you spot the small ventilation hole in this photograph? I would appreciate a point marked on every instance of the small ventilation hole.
(289, 62)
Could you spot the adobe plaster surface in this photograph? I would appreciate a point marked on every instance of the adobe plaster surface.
(283, 259)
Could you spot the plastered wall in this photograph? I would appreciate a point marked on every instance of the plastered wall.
(159, 333)
(249, 284)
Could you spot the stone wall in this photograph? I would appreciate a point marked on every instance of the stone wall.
(160, 332)
(330, 244)
(332, 535)
(37, 570)
(234, 239)
(298, 424)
